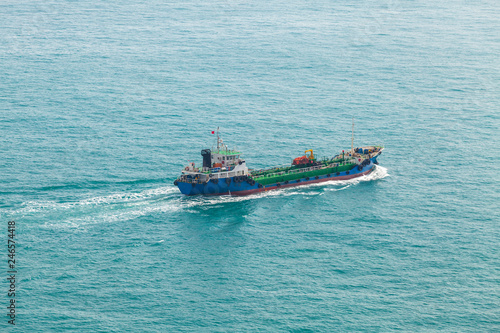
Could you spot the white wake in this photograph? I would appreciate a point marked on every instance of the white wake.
(120, 207)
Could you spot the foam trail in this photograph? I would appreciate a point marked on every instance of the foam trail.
(377, 174)
(113, 199)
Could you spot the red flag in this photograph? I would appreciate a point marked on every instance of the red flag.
(213, 132)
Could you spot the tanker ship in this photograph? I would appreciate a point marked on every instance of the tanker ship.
(225, 172)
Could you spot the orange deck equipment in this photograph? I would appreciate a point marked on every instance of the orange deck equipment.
(301, 160)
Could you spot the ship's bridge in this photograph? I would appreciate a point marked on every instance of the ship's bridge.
(225, 157)
(219, 163)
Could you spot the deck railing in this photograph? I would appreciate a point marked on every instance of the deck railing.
(317, 167)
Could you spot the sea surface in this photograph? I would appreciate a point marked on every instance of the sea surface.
(102, 103)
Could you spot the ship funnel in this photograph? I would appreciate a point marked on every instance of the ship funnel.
(207, 158)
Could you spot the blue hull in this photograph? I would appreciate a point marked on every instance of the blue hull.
(243, 188)
(210, 188)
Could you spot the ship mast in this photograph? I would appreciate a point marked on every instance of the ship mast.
(352, 138)
(218, 138)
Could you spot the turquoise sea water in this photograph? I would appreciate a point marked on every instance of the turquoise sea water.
(103, 102)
